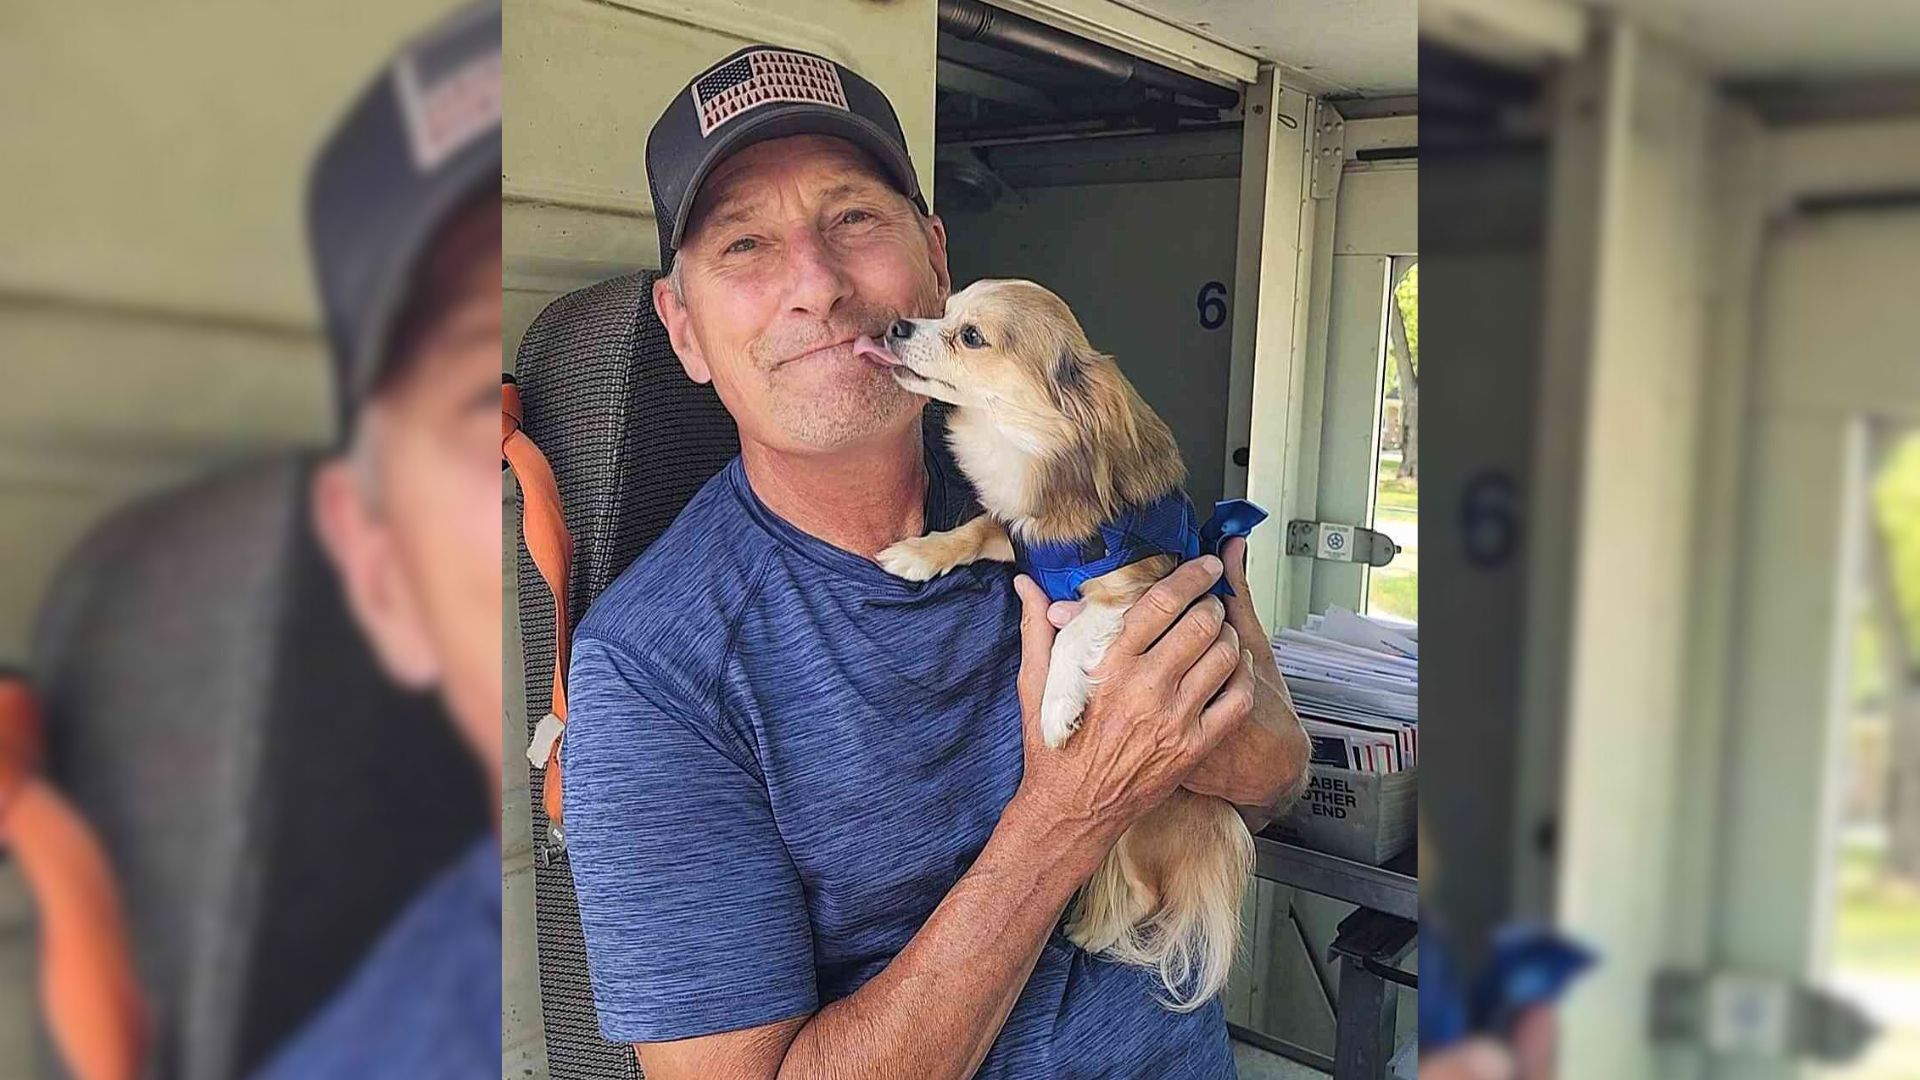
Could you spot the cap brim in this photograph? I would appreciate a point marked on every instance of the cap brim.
(780, 121)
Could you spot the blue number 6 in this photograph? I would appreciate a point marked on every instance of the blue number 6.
(1212, 303)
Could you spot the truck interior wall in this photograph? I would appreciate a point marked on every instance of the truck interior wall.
(1481, 304)
(1133, 260)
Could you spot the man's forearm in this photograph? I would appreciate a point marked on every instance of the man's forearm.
(935, 1010)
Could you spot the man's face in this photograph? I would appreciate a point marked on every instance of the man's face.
(413, 523)
(797, 246)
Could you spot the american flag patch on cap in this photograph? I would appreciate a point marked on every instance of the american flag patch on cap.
(762, 78)
(449, 89)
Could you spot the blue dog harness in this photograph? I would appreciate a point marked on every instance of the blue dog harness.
(1166, 526)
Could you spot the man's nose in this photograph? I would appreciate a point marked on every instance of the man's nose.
(818, 280)
(901, 330)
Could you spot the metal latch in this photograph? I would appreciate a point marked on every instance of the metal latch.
(1758, 1016)
(1339, 543)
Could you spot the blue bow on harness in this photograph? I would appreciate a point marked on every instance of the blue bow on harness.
(1526, 966)
(1166, 526)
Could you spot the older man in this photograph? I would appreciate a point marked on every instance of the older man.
(813, 832)
(404, 217)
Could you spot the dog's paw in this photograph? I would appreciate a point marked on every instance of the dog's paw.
(914, 560)
(1079, 936)
(1059, 719)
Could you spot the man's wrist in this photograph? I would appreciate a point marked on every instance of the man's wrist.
(1071, 841)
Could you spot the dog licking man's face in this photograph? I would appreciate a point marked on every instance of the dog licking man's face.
(1010, 348)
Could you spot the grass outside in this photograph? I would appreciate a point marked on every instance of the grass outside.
(1394, 493)
(1395, 589)
(1879, 917)
(1876, 954)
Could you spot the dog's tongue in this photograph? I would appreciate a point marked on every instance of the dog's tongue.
(874, 352)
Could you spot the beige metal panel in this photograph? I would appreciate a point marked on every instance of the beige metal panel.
(1737, 225)
(1804, 489)
(1349, 46)
(1378, 132)
(1515, 31)
(1835, 335)
(1272, 275)
(158, 152)
(1389, 223)
(1141, 33)
(156, 246)
(1626, 328)
(1306, 415)
(1869, 157)
(1350, 431)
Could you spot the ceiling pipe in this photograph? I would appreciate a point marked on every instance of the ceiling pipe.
(971, 20)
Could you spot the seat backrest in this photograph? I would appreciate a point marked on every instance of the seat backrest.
(268, 799)
(630, 439)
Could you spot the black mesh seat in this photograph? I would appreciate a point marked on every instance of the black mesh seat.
(269, 801)
(630, 439)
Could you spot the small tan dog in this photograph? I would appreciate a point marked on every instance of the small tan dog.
(1056, 443)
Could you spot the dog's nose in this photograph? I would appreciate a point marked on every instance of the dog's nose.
(900, 330)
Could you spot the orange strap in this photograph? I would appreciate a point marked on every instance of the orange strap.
(91, 997)
(544, 524)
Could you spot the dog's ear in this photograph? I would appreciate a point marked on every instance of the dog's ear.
(1069, 381)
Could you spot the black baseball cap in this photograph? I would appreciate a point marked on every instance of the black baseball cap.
(760, 93)
(420, 142)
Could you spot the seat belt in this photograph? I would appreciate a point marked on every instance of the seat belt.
(544, 526)
(89, 993)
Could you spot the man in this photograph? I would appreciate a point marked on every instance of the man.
(404, 215)
(812, 829)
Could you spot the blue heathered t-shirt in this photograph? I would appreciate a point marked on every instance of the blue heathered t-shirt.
(425, 1004)
(780, 758)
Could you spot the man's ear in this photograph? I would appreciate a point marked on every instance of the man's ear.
(361, 547)
(673, 316)
(937, 255)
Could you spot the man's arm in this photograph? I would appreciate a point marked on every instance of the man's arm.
(935, 1010)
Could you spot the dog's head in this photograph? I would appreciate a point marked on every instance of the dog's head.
(1034, 395)
(1009, 346)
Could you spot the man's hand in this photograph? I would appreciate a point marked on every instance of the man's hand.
(1260, 762)
(1169, 688)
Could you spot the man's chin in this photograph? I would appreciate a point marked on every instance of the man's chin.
(850, 412)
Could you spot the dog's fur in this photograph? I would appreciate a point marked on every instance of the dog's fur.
(1056, 441)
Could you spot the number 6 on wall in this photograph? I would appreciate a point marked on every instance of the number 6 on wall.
(1212, 303)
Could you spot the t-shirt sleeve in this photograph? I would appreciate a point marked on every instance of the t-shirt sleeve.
(694, 915)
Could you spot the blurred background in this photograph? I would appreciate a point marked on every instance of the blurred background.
(210, 708)
(1671, 464)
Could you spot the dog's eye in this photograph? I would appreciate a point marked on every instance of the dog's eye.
(970, 337)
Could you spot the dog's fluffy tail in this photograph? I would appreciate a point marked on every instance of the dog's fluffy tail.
(1191, 938)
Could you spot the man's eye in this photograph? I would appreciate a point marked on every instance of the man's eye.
(856, 217)
(970, 337)
(745, 243)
